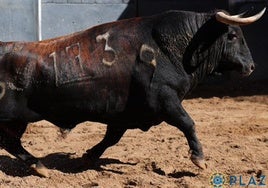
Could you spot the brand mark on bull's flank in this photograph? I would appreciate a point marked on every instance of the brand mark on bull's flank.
(107, 48)
(68, 65)
(147, 54)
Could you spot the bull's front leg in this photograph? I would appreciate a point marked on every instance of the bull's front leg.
(113, 134)
(174, 114)
(10, 134)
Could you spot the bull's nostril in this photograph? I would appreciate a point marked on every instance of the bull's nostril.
(252, 67)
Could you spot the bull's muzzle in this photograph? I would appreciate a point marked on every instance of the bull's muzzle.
(248, 69)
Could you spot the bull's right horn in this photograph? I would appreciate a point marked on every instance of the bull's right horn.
(237, 20)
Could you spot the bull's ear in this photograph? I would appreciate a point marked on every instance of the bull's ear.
(223, 17)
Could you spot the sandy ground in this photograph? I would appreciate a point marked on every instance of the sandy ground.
(233, 131)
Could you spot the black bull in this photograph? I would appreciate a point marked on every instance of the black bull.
(127, 74)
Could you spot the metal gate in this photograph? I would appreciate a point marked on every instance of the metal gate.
(41, 19)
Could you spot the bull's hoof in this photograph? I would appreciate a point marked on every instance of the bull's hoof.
(198, 161)
(40, 169)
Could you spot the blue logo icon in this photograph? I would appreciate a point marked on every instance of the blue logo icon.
(217, 180)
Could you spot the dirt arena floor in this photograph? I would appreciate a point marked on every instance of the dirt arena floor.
(233, 131)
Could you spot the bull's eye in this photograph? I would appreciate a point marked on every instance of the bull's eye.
(232, 36)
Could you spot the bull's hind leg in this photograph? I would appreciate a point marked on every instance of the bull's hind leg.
(112, 136)
(176, 115)
(10, 135)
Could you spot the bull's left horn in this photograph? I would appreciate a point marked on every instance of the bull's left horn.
(236, 20)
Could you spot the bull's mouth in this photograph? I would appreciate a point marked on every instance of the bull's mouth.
(246, 74)
(243, 70)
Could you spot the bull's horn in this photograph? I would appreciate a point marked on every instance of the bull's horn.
(236, 20)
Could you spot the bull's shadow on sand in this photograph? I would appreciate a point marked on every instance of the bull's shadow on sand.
(13, 167)
(64, 162)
